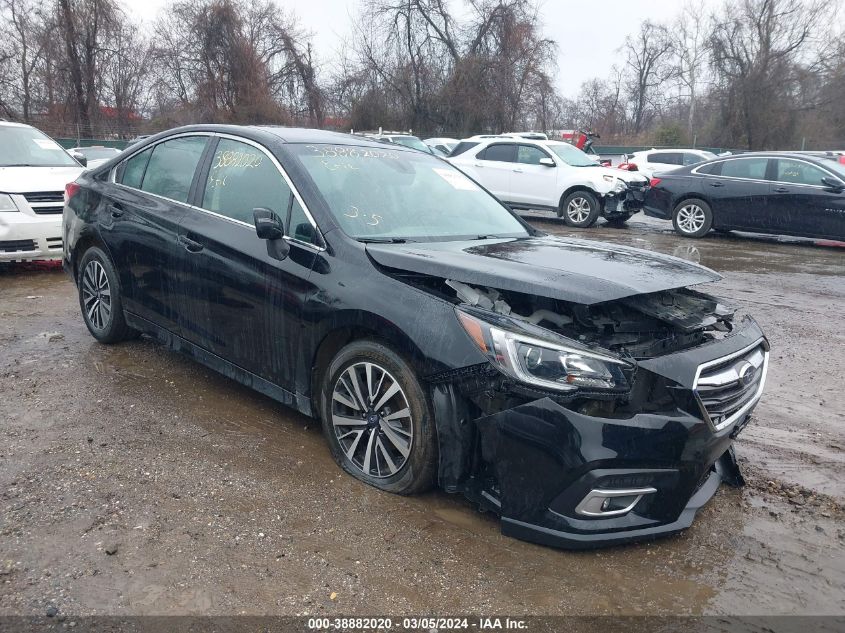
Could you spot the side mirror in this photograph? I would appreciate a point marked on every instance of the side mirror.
(268, 226)
(546, 161)
(833, 183)
(79, 158)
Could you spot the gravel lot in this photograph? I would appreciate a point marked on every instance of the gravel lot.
(134, 481)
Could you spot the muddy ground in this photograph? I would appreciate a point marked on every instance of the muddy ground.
(134, 481)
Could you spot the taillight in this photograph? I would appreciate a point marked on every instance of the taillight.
(71, 189)
(654, 182)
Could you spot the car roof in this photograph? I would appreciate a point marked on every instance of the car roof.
(277, 134)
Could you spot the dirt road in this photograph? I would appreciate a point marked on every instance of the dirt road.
(134, 481)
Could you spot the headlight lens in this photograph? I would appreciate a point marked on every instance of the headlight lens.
(548, 364)
(6, 203)
(620, 185)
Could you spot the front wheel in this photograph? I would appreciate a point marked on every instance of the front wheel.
(377, 419)
(692, 218)
(580, 209)
(100, 299)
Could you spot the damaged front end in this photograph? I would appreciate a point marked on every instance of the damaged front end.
(595, 424)
(625, 199)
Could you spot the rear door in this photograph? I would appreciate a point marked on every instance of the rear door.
(738, 192)
(493, 167)
(802, 205)
(241, 301)
(531, 182)
(139, 224)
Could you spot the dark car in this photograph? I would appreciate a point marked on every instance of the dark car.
(797, 194)
(580, 390)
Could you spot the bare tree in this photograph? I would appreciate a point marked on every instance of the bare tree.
(690, 56)
(647, 57)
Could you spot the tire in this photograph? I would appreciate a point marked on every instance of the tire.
(692, 218)
(402, 448)
(100, 300)
(580, 209)
(619, 221)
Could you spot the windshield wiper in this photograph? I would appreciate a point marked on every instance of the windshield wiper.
(21, 165)
(383, 240)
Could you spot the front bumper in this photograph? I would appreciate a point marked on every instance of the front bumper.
(625, 203)
(26, 236)
(547, 458)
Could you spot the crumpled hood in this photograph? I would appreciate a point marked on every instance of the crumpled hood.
(578, 271)
(27, 179)
(625, 176)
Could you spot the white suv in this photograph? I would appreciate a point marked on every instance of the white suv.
(552, 175)
(655, 160)
(34, 170)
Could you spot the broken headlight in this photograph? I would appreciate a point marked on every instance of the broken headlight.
(552, 364)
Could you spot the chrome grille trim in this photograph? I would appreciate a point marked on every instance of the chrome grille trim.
(717, 387)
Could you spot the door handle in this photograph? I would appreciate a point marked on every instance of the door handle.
(716, 184)
(517, 171)
(116, 210)
(478, 165)
(189, 244)
(781, 190)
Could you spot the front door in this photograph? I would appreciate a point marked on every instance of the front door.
(802, 204)
(533, 183)
(243, 302)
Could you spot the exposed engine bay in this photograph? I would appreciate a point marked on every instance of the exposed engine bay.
(640, 327)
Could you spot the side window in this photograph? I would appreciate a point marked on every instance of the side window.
(500, 152)
(666, 158)
(714, 169)
(799, 172)
(242, 178)
(692, 159)
(530, 155)
(753, 168)
(172, 165)
(131, 172)
(299, 227)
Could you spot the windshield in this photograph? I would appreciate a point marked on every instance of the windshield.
(571, 155)
(411, 141)
(388, 194)
(27, 147)
(97, 153)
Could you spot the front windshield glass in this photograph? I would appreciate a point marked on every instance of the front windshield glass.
(390, 194)
(412, 142)
(27, 147)
(571, 155)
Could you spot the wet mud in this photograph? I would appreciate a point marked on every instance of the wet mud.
(135, 481)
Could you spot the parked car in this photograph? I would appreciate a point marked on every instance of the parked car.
(552, 175)
(651, 161)
(406, 140)
(579, 390)
(96, 155)
(442, 145)
(33, 172)
(779, 193)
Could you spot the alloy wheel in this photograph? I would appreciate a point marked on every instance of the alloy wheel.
(691, 218)
(372, 420)
(578, 209)
(96, 295)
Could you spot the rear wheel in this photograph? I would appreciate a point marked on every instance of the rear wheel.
(100, 300)
(377, 419)
(580, 209)
(692, 218)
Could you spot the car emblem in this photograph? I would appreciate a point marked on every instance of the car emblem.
(747, 373)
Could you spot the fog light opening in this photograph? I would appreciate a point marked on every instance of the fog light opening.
(611, 503)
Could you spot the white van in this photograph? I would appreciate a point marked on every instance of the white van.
(34, 170)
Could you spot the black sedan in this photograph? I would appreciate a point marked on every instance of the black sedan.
(801, 194)
(580, 390)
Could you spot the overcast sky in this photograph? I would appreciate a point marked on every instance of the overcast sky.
(588, 32)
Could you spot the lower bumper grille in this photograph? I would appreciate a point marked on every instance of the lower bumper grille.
(17, 246)
(728, 387)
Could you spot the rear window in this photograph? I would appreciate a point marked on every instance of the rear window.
(666, 158)
(131, 173)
